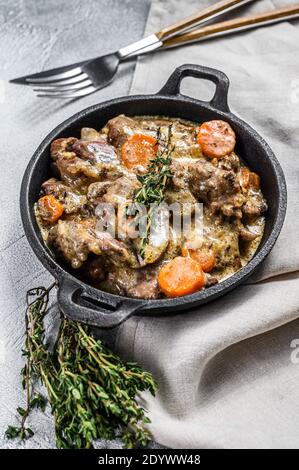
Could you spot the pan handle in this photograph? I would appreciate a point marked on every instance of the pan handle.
(79, 304)
(219, 100)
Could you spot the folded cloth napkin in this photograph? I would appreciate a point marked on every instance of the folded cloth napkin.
(227, 374)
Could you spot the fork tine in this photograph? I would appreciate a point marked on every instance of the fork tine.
(68, 95)
(61, 83)
(48, 73)
(62, 90)
(53, 77)
(51, 88)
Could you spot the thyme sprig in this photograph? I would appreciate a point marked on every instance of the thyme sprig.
(92, 393)
(154, 183)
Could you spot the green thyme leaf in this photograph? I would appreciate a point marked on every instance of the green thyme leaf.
(21, 411)
(91, 391)
(38, 401)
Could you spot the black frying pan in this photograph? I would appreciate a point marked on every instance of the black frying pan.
(84, 303)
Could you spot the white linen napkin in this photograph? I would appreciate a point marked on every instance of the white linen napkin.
(228, 376)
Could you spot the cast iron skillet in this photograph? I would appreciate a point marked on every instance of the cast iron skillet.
(87, 304)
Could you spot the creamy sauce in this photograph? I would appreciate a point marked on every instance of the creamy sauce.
(92, 171)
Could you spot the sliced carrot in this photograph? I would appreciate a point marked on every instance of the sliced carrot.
(249, 179)
(138, 150)
(181, 276)
(216, 138)
(206, 259)
(50, 209)
(245, 177)
(255, 180)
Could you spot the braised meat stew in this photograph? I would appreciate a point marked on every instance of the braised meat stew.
(154, 162)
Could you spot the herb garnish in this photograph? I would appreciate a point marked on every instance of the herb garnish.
(90, 390)
(154, 183)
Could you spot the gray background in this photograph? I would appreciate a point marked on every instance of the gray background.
(36, 35)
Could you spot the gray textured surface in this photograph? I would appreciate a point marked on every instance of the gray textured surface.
(36, 35)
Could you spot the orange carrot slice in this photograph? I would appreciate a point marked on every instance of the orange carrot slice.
(216, 138)
(50, 209)
(181, 276)
(206, 259)
(138, 150)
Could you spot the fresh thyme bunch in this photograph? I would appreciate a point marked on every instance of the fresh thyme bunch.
(154, 182)
(92, 392)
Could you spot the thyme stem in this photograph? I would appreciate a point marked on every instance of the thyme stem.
(92, 393)
(154, 183)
